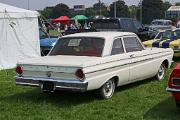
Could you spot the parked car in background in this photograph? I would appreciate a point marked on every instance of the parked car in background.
(178, 24)
(174, 84)
(157, 25)
(166, 39)
(174, 42)
(121, 24)
(161, 37)
(46, 42)
(97, 60)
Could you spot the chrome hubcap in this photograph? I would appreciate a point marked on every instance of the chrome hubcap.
(109, 88)
(161, 72)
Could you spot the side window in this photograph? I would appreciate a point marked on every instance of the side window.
(117, 47)
(132, 44)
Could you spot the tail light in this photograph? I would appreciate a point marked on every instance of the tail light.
(19, 70)
(170, 81)
(176, 81)
(80, 74)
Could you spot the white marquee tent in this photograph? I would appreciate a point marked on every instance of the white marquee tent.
(19, 35)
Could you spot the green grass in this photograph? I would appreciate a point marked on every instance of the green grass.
(145, 100)
(53, 33)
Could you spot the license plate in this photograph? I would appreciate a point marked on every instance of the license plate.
(48, 86)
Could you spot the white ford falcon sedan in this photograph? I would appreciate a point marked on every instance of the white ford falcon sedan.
(97, 60)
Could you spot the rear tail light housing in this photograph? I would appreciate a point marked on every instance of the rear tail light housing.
(80, 74)
(19, 70)
(176, 81)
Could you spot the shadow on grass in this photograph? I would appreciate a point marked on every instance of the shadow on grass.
(135, 84)
(58, 98)
(166, 110)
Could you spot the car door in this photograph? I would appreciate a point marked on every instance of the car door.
(119, 61)
(140, 59)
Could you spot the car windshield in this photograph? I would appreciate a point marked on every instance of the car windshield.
(79, 46)
(164, 35)
(160, 23)
(177, 34)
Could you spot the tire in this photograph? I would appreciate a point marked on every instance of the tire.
(107, 90)
(178, 104)
(161, 72)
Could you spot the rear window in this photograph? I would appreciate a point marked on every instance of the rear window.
(106, 24)
(79, 46)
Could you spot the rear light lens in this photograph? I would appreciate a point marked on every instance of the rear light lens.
(80, 74)
(19, 70)
(176, 81)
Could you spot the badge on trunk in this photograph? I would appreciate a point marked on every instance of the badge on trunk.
(48, 74)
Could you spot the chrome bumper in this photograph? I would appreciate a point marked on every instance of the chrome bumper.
(72, 85)
(172, 90)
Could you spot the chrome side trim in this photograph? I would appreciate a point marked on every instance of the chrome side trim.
(172, 89)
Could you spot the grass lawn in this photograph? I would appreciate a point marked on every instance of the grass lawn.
(145, 100)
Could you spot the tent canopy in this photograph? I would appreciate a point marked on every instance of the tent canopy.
(19, 33)
(79, 17)
(15, 12)
(61, 19)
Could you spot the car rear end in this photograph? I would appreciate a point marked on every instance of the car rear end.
(50, 78)
(174, 84)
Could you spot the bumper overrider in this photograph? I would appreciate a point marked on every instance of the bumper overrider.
(172, 90)
(50, 84)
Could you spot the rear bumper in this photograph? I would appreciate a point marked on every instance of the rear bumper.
(72, 85)
(175, 93)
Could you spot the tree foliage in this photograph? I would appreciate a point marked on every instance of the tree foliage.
(133, 11)
(61, 10)
(47, 12)
(177, 4)
(152, 9)
(98, 9)
(121, 8)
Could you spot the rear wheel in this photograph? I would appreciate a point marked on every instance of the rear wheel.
(161, 72)
(107, 90)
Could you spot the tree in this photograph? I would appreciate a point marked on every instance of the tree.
(47, 12)
(133, 11)
(100, 9)
(121, 8)
(152, 9)
(166, 6)
(89, 11)
(177, 4)
(61, 10)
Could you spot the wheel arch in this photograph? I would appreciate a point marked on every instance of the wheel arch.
(115, 78)
(166, 63)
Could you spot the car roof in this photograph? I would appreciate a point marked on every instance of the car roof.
(105, 35)
(164, 20)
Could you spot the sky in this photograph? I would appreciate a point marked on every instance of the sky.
(40, 4)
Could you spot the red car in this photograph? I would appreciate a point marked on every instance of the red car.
(174, 84)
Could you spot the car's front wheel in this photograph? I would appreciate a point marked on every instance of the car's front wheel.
(107, 90)
(161, 72)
